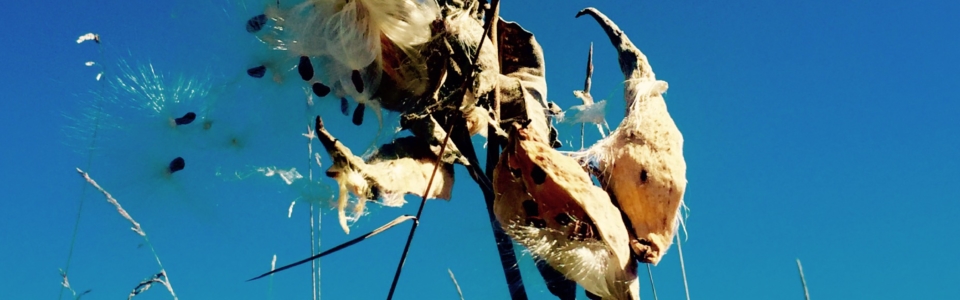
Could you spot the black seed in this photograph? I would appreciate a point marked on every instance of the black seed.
(538, 175)
(257, 72)
(531, 208)
(563, 218)
(344, 106)
(643, 176)
(358, 114)
(320, 90)
(185, 119)
(176, 164)
(357, 80)
(305, 68)
(256, 23)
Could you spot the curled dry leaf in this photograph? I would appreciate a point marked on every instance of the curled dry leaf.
(641, 163)
(401, 167)
(545, 201)
(523, 85)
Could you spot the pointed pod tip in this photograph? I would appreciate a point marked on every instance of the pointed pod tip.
(318, 123)
(587, 10)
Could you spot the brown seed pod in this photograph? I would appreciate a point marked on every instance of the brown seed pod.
(641, 162)
(402, 167)
(546, 202)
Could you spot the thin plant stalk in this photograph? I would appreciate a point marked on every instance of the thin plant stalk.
(165, 280)
(586, 90)
(423, 202)
(653, 286)
(93, 144)
(459, 292)
(803, 281)
(683, 268)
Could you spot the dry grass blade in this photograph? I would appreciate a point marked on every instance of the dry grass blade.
(459, 292)
(165, 280)
(66, 284)
(145, 285)
(803, 281)
(136, 226)
(377, 231)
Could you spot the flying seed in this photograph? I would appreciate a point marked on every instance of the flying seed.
(357, 80)
(305, 68)
(344, 106)
(358, 114)
(320, 90)
(257, 72)
(256, 23)
(185, 119)
(176, 164)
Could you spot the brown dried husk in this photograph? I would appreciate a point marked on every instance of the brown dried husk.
(599, 262)
(641, 162)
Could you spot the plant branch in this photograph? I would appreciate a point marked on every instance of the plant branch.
(349, 243)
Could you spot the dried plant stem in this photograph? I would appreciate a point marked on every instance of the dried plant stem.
(349, 243)
(653, 286)
(165, 280)
(803, 281)
(587, 99)
(273, 266)
(683, 268)
(508, 260)
(459, 292)
(93, 144)
(314, 233)
(423, 202)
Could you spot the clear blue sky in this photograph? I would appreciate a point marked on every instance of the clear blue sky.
(815, 130)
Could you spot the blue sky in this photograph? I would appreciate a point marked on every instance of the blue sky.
(814, 130)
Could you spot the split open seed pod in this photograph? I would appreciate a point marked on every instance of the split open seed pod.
(404, 166)
(546, 202)
(641, 162)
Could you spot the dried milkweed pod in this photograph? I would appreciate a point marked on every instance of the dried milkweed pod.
(641, 162)
(546, 202)
(401, 167)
